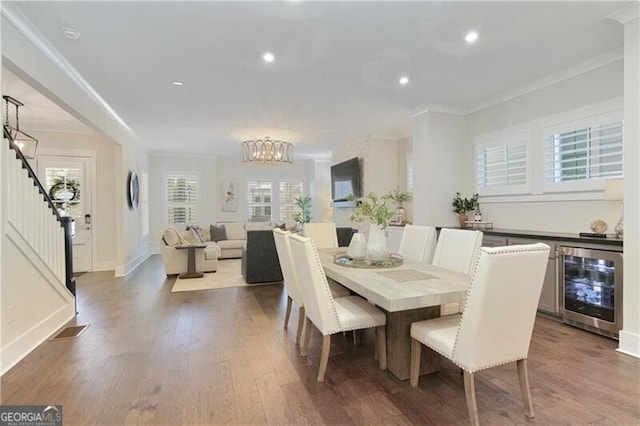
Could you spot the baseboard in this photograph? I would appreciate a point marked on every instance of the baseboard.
(629, 343)
(132, 264)
(23, 345)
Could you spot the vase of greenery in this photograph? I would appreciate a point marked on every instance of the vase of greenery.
(377, 211)
(399, 198)
(304, 214)
(461, 206)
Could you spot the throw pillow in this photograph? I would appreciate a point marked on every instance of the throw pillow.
(283, 226)
(218, 233)
(171, 237)
(190, 237)
(196, 232)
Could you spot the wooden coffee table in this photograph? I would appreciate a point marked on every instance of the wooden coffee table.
(191, 260)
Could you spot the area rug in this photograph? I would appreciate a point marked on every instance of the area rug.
(228, 275)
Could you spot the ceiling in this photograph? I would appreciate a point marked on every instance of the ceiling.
(336, 69)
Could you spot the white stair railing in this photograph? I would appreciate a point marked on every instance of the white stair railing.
(30, 216)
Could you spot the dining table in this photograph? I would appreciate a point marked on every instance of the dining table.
(409, 292)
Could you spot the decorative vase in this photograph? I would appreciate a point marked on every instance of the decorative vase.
(357, 247)
(400, 215)
(463, 218)
(377, 246)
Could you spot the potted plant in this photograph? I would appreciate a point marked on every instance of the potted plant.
(463, 205)
(377, 211)
(399, 197)
(304, 215)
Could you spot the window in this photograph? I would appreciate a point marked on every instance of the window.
(263, 205)
(259, 201)
(182, 195)
(289, 191)
(502, 167)
(410, 175)
(589, 152)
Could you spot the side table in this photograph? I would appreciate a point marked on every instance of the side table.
(191, 260)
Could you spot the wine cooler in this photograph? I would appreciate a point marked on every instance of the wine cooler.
(591, 289)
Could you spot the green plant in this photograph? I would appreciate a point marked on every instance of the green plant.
(304, 204)
(463, 205)
(373, 208)
(398, 197)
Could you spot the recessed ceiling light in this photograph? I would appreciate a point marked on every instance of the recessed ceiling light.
(268, 57)
(471, 36)
(70, 33)
(177, 83)
(403, 80)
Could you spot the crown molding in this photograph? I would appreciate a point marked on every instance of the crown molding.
(440, 108)
(24, 25)
(626, 14)
(553, 78)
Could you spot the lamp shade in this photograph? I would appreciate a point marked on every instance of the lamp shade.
(614, 189)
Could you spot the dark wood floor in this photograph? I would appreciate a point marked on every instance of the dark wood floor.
(222, 357)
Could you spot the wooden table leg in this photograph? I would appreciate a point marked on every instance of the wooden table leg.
(191, 265)
(399, 342)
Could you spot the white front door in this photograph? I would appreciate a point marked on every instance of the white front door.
(68, 182)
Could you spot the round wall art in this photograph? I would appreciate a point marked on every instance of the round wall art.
(133, 190)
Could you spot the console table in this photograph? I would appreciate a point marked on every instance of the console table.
(191, 260)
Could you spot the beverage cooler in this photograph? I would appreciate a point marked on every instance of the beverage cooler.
(591, 289)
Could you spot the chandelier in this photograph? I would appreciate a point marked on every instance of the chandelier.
(26, 143)
(267, 151)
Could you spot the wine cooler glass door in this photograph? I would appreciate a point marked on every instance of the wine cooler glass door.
(592, 287)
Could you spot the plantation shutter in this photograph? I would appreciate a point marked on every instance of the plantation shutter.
(289, 191)
(588, 153)
(182, 193)
(259, 201)
(503, 165)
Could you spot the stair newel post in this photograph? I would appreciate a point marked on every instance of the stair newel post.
(67, 223)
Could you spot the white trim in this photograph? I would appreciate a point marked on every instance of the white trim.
(629, 343)
(549, 197)
(440, 108)
(551, 79)
(40, 42)
(134, 263)
(518, 139)
(626, 14)
(14, 352)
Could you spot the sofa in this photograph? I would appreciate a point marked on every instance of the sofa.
(260, 263)
(224, 240)
(175, 261)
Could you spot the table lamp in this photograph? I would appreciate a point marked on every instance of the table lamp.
(614, 191)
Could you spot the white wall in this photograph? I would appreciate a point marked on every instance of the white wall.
(320, 191)
(630, 334)
(206, 168)
(443, 165)
(599, 86)
(214, 171)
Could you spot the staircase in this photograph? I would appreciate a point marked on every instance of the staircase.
(37, 244)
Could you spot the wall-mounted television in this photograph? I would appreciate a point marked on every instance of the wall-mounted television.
(345, 179)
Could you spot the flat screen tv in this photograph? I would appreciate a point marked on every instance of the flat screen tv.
(345, 179)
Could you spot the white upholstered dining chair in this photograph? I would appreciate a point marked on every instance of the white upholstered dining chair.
(323, 234)
(290, 276)
(418, 243)
(457, 250)
(496, 324)
(331, 315)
